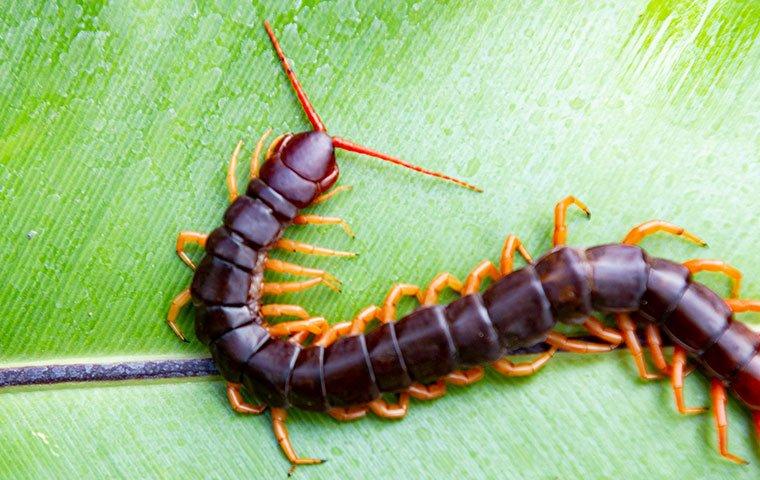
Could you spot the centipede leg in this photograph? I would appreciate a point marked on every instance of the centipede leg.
(357, 325)
(293, 269)
(706, 265)
(238, 403)
(348, 414)
(512, 245)
(561, 342)
(182, 299)
(394, 411)
(676, 382)
(280, 310)
(437, 285)
(465, 377)
(232, 188)
(718, 396)
(293, 246)
(335, 332)
(316, 326)
(522, 369)
(483, 270)
(739, 306)
(279, 416)
(427, 392)
(599, 330)
(395, 294)
(254, 169)
(320, 220)
(277, 288)
(560, 224)
(632, 342)
(654, 342)
(639, 232)
(188, 237)
(327, 196)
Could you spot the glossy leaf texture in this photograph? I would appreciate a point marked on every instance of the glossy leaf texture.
(116, 123)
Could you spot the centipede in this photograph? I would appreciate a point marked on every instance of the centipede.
(377, 363)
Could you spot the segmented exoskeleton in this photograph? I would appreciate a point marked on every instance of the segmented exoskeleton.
(344, 370)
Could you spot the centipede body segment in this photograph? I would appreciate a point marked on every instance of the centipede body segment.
(344, 370)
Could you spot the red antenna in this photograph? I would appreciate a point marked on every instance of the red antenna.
(342, 143)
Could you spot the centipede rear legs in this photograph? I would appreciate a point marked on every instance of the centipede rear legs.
(677, 373)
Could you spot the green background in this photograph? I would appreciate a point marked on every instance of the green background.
(116, 122)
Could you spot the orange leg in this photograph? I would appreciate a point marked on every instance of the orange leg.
(300, 337)
(232, 188)
(254, 170)
(284, 267)
(483, 270)
(279, 310)
(512, 245)
(336, 331)
(437, 285)
(316, 326)
(632, 342)
(320, 220)
(348, 414)
(465, 377)
(561, 342)
(357, 325)
(639, 232)
(360, 322)
(327, 196)
(522, 369)
(293, 246)
(676, 381)
(560, 224)
(427, 392)
(188, 237)
(382, 408)
(238, 403)
(279, 415)
(718, 396)
(599, 330)
(740, 306)
(654, 342)
(276, 288)
(396, 293)
(182, 299)
(700, 265)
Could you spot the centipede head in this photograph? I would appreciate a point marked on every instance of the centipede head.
(312, 154)
(309, 154)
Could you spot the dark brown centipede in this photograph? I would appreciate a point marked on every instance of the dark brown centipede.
(344, 370)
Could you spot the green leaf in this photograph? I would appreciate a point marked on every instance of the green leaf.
(116, 123)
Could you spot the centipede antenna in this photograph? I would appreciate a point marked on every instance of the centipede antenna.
(308, 108)
(350, 146)
(342, 143)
